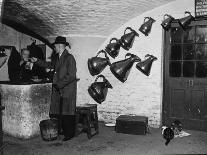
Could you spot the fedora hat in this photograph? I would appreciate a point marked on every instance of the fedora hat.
(60, 40)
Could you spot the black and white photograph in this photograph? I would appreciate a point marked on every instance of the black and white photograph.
(103, 77)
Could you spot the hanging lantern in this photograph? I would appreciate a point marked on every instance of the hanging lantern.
(121, 69)
(146, 27)
(98, 90)
(145, 66)
(97, 64)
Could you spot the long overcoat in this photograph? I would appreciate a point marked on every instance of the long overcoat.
(65, 79)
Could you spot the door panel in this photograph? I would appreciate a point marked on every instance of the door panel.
(203, 125)
(176, 52)
(188, 52)
(175, 69)
(177, 108)
(201, 69)
(197, 100)
(192, 124)
(188, 69)
(185, 75)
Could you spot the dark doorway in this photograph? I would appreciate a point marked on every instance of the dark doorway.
(185, 75)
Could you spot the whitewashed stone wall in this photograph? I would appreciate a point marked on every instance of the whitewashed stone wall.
(139, 95)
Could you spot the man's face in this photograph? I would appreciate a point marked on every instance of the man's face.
(25, 55)
(59, 47)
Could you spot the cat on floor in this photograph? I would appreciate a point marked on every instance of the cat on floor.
(170, 132)
(177, 127)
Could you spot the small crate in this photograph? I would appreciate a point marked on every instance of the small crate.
(136, 125)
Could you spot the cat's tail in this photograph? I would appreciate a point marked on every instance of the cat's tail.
(167, 141)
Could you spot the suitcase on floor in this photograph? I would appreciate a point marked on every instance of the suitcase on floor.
(136, 125)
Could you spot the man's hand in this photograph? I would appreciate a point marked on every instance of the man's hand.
(55, 86)
(21, 62)
(58, 89)
(26, 59)
(33, 59)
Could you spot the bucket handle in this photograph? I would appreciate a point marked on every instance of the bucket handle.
(149, 19)
(133, 56)
(104, 80)
(168, 16)
(188, 12)
(132, 30)
(99, 77)
(113, 39)
(149, 55)
(106, 56)
(146, 18)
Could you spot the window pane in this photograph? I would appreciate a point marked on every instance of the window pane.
(201, 34)
(201, 51)
(188, 68)
(176, 34)
(176, 52)
(201, 69)
(188, 35)
(188, 52)
(175, 69)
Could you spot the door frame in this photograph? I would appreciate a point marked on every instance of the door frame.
(165, 47)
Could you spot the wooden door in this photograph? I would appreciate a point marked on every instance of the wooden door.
(185, 75)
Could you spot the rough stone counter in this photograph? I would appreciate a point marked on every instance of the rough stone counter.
(25, 106)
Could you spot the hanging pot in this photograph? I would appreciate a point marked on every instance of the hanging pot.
(145, 66)
(113, 48)
(127, 39)
(185, 21)
(166, 24)
(98, 90)
(97, 64)
(121, 69)
(146, 27)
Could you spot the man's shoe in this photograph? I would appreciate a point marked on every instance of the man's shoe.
(66, 138)
(61, 132)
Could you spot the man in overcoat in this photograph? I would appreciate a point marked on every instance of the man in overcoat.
(64, 84)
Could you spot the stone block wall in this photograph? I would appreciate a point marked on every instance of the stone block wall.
(139, 95)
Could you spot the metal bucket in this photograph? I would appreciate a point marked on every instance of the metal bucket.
(49, 129)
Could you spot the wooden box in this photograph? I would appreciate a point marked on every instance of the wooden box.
(136, 125)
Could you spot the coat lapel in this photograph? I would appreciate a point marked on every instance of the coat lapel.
(61, 59)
